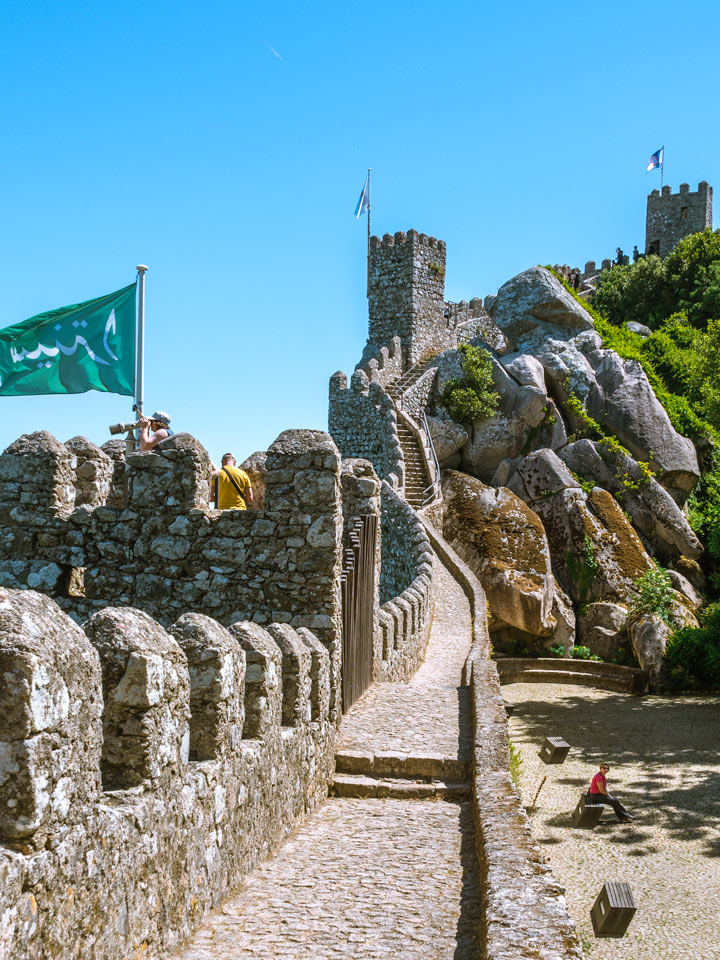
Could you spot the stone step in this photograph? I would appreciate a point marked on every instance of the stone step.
(392, 764)
(354, 785)
(600, 681)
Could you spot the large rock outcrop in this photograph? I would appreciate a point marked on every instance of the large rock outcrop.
(504, 543)
(534, 305)
(595, 552)
(526, 418)
(654, 512)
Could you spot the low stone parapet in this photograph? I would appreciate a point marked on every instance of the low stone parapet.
(524, 908)
(152, 770)
(406, 587)
(587, 673)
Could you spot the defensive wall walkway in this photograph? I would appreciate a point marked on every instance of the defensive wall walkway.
(375, 873)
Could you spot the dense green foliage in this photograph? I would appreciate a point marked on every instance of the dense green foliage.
(473, 397)
(680, 358)
(651, 290)
(693, 654)
(653, 594)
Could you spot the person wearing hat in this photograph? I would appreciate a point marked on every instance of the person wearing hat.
(159, 423)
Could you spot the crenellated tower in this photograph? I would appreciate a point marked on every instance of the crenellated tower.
(672, 216)
(406, 291)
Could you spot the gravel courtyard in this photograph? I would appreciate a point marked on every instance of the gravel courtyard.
(665, 767)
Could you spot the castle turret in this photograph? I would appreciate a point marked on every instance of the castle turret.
(406, 293)
(672, 216)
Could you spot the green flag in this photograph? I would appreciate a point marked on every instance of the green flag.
(86, 346)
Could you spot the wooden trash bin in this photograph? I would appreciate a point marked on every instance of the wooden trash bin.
(613, 910)
(554, 750)
(587, 815)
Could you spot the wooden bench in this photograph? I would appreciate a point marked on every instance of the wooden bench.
(613, 910)
(554, 750)
(587, 815)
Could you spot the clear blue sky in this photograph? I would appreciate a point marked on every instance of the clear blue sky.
(225, 144)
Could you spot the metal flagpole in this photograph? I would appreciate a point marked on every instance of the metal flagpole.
(662, 167)
(140, 357)
(368, 240)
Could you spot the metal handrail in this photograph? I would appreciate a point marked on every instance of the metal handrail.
(435, 485)
(403, 381)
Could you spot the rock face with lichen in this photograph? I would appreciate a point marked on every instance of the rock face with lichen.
(604, 509)
(503, 542)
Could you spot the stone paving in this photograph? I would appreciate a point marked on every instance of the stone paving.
(665, 767)
(362, 878)
(371, 878)
(431, 714)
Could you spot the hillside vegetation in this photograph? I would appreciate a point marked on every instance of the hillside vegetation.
(679, 300)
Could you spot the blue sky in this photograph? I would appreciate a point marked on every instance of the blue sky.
(225, 144)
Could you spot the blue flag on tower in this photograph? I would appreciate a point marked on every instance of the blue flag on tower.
(363, 203)
(656, 160)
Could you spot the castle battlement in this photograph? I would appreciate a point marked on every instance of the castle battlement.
(406, 289)
(403, 237)
(672, 216)
(151, 769)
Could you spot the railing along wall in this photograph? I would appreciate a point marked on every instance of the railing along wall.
(357, 584)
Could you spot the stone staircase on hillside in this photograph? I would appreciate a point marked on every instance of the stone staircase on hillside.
(416, 478)
(408, 379)
(587, 673)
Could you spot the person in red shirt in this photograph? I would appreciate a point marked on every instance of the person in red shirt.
(598, 793)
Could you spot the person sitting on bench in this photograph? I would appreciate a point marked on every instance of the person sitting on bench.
(598, 793)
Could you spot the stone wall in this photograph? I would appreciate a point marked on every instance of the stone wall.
(406, 589)
(363, 424)
(670, 217)
(151, 770)
(522, 904)
(166, 551)
(383, 365)
(406, 294)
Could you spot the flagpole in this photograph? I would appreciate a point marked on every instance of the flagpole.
(368, 238)
(662, 168)
(140, 358)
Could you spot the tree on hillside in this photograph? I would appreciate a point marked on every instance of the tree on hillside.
(637, 291)
(651, 290)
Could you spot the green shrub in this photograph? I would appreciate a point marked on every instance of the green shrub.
(693, 654)
(638, 291)
(516, 762)
(579, 652)
(557, 650)
(473, 397)
(653, 594)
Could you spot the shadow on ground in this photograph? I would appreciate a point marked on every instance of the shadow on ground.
(659, 734)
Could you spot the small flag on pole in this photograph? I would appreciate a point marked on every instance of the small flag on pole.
(363, 203)
(656, 160)
(86, 346)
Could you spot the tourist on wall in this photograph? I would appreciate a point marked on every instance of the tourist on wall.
(159, 423)
(234, 491)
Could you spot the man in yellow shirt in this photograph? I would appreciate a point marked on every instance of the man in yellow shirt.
(234, 490)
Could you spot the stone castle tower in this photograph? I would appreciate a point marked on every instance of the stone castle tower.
(670, 217)
(406, 290)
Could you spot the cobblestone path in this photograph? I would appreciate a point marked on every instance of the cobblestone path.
(373, 878)
(431, 714)
(665, 767)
